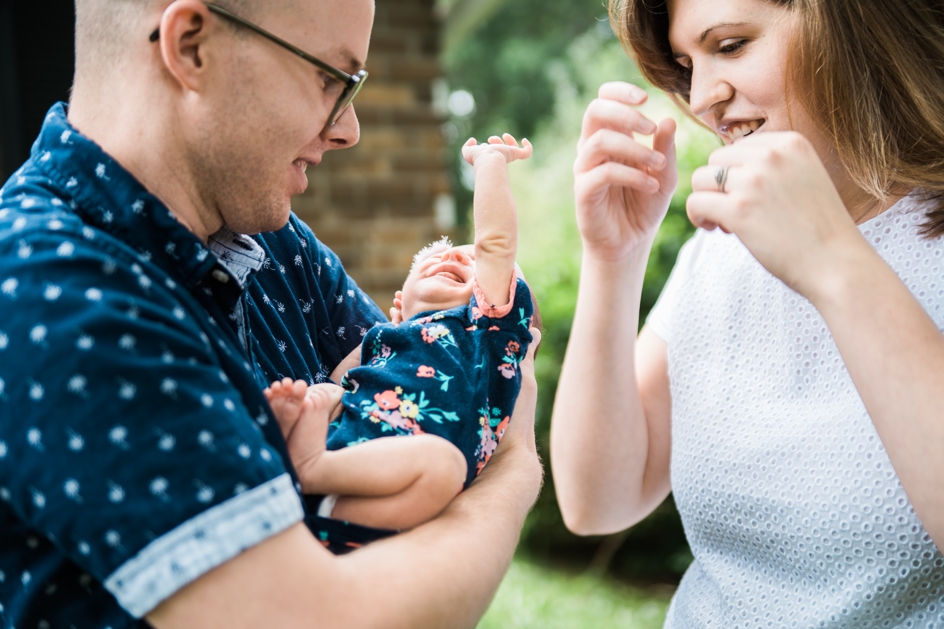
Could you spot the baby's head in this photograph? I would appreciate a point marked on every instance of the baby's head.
(440, 278)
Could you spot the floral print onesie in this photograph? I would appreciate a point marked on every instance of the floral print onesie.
(452, 373)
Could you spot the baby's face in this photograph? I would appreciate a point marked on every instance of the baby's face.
(440, 281)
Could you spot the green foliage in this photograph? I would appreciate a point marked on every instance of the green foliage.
(509, 65)
(503, 63)
(550, 248)
(533, 597)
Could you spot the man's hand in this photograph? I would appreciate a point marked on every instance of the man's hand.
(519, 441)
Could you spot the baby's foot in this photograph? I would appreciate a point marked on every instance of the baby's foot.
(507, 146)
(303, 414)
(286, 399)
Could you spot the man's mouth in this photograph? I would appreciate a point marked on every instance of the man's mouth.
(301, 163)
(741, 129)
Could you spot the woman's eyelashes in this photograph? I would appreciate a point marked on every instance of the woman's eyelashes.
(731, 47)
(727, 47)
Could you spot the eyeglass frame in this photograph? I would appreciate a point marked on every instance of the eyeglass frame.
(352, 82)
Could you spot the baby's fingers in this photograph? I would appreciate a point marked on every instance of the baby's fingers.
(525, 149)
(468, 148)
(509, 140)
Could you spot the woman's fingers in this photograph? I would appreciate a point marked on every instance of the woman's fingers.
(623, 92)
(710, 178)
(707, 210)
(663, 143)
(618, 116)
(614, 174)
(711, 203)
(608, 145)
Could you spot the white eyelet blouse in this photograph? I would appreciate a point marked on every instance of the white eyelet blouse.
(793, 511)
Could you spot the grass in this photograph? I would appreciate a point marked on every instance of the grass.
(533, 597)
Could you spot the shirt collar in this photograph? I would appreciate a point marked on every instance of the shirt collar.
(241, 255)
(108, 197)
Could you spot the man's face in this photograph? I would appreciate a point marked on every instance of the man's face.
(263, 121)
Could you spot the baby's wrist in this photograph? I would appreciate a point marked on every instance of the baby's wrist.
(488, 158)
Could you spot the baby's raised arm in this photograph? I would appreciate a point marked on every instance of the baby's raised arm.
(496, 219)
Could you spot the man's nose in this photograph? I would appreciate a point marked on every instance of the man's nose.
(708, 89)
(345, 133)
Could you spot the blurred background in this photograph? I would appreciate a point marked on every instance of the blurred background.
(442, 71)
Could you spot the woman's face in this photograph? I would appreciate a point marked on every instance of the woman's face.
(736, 51)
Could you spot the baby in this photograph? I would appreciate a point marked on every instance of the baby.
(444, 372)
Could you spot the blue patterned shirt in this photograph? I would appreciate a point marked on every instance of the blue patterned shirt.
(137, 451)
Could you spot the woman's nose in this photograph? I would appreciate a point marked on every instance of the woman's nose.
(708, 89)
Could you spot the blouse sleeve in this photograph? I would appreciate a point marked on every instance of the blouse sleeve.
(660, 317)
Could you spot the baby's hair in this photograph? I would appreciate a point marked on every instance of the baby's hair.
(431, 249)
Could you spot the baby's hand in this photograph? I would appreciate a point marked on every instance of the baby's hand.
(507, 146)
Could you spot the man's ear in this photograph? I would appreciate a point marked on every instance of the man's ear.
(185, 26)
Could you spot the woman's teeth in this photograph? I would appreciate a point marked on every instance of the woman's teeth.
(741, 129)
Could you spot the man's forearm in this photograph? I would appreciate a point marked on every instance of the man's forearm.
(455, 563)
(431, 565)
(442, 574)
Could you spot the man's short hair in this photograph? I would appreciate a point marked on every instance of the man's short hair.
(106, 29)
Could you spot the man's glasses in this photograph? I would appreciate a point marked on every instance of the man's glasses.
(352, 82)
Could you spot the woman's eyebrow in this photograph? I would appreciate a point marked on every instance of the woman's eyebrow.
(707, 31)
(704, 35)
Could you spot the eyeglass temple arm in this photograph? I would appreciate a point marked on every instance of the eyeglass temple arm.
(341, 74)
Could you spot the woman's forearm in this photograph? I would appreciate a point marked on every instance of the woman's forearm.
(894, 353)
(599, 434)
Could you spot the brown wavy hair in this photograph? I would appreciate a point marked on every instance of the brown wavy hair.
(869, 72)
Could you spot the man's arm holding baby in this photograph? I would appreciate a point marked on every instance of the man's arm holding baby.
(409, 580)
(496, 220)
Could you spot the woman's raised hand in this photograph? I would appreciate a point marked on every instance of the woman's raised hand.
(780, 201)
(622, 187)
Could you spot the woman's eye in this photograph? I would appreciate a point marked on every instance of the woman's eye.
(731, 47)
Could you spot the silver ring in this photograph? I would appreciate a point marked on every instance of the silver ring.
(721, 177)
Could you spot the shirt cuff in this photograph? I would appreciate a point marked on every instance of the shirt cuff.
(487, 309)
(204, 542)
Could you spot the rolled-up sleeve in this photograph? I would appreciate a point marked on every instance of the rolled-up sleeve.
(122, 437)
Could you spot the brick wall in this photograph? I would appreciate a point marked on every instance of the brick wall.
(376, 204)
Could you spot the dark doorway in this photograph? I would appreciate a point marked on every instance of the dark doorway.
(37, 59)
